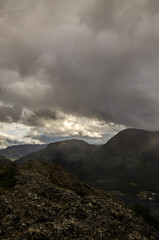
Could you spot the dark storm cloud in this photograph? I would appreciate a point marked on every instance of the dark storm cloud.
(90, 58)
(1, 92)
(121, 15)
(10, 114)
(39, 116)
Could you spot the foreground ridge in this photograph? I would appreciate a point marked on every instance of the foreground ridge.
(47, 202)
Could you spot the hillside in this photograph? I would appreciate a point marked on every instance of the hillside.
(47, 202)
(7, 175)
(5, 159)
(128, 162)
(73, 154)
(18, 151)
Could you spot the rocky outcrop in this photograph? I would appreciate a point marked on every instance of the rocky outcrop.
(49, 203)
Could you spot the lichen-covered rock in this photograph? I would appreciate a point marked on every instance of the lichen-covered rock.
(48, 203)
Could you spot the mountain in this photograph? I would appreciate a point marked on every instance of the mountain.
(5, 159)
(18, 151)
(128, 162)
(47, 202)
(73, 154)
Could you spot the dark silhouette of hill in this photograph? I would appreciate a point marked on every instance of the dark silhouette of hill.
(7, 174)
(73, 154)
(18, 151)
(128, 162)
(5, 159)
(47, 202)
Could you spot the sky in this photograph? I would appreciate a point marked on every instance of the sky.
(77, 69)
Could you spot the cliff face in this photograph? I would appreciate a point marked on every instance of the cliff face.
(49, 203)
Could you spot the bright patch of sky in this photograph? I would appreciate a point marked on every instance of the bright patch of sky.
(70, 126)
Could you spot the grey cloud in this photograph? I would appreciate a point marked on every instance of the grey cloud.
(121, 16)
(46, 113)
(10, 114)
(94, 58)
(1, 92)
(152, 7)
(6, 140)
(10, 142)
(39, 116)
(101, 14)
(50, 138)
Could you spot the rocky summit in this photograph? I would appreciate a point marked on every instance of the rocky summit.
(46, 202)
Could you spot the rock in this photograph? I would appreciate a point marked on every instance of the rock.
(49, 203)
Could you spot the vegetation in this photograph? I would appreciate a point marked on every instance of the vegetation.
(145, 212)
(47, 202)
(7, 176)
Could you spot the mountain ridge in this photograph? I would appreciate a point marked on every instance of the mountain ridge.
(128, 162)
(18, 151)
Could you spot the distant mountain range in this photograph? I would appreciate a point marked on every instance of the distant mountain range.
(128, 162)
(15, 152)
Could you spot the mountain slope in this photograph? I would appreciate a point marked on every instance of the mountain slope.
(5, 159)
(128, 162)
(7, 174)
(47, 202)
(73, 154)
(15, 152)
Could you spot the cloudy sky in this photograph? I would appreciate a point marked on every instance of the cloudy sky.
(83, 69)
